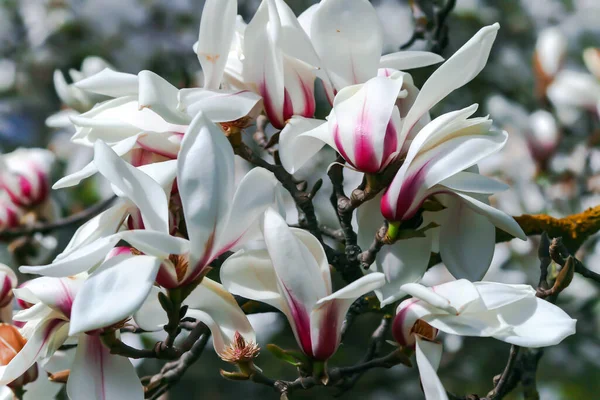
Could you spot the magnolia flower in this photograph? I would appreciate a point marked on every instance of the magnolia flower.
(148, 117)
(292, 275)
(572, 92)
(47, 328)
(217, 219)
(25, 176)
(368, 126)
(510, 313)
(438, 163)
(279, 62)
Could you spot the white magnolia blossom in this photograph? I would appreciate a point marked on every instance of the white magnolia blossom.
(373, 123)
(292, 275)
(510, 313)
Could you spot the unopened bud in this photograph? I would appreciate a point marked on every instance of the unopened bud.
(25, 176)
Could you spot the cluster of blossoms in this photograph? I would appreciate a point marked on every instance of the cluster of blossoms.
(169, 156)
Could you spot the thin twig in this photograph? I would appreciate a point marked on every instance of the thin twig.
(74, 219)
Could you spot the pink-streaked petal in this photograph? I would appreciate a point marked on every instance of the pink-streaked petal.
(98, 375)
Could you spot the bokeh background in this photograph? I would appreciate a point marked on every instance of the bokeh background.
(38, 37)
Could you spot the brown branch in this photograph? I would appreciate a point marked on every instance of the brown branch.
(46, 227)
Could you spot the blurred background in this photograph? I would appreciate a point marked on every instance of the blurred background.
(538, 85)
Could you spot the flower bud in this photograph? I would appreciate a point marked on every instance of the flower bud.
(591, 57)
(25, 176)
(11, 342)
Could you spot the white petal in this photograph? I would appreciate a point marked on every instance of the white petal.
(205, 180)
(535, 323)
(80, 260)
(98, 375)
(151, 316)
(496, 217)
(457, 71)
(250, 274)
(218, 106)
(110, 83)
(404, 60)
(118, 287)
(348, 37)
(102, 225)
(121, 148)
(291, 141)
(217, 28)
(474, 183)
(157, 244)
(219, 310)
(254, 194)
(161, 97)
(295, 266)
(142, 190)
(428, 356)
(467, 241)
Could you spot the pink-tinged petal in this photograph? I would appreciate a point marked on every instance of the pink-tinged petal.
(205, 179)
(328, 315)
(263, 63)
(404, 60)
(217, 28)
(348, 37)
(217, 308)
(119, 287)
(299, 80)
(161, 144)
(135, 185)
(291, 139)
(457, 71)
(428, 356)
(98, 375)
(8, 281)
(364, 123)
(56, 293)
(10, 214)
(48, 335)
(254, 194)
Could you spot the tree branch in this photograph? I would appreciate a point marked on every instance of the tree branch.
(74, 219)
